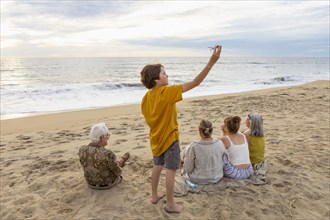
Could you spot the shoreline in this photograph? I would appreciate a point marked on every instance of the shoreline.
(41, 177)
(33, 121)
(32, 114)
(24, 115)
(24, 124)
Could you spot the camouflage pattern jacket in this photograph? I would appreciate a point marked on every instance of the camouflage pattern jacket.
(99, 164)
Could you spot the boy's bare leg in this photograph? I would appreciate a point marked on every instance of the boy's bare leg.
(170, 205)
(155, 174)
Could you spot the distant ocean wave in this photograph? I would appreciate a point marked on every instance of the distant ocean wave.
(266, 67)
(319, 73)
(7, 70)
(255, 62)
(284, 79)
(279, 80)
(111, 86)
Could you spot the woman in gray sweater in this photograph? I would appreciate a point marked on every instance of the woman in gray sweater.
(202, 159)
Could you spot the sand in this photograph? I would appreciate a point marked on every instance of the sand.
(41, 177)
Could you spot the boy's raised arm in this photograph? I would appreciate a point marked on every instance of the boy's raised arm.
(201, 76)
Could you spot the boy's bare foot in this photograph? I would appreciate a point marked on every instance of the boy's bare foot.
(173, 209)
(156, 199)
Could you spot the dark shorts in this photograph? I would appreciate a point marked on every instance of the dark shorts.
(170, 159)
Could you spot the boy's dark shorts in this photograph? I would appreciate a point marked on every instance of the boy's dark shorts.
(170, 159)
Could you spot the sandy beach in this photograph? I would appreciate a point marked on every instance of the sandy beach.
(41, 177)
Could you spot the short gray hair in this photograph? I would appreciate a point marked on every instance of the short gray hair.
(97, 131)
(257, 128)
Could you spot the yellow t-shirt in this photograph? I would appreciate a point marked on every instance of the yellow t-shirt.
(257, 149)
(159, 109)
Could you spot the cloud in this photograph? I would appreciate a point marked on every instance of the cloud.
(70, 9)
(142, 28)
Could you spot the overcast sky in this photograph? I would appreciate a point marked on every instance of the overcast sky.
(85, 28)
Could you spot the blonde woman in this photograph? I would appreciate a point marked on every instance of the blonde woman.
(202, 159)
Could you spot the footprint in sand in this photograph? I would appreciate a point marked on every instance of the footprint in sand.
(265, 211)
(44, 165)
(279, 185)
(283, 172)
(66, 210)
(8, 162)
(120, 141)
(142, 137)
(287, 183)
(250, 213)
(23, 138)
(57, 152)
(283, 161)
(139, 147)
(68, 133)
(119, 132)
(24, 200)
(62, 142)
(18, 148)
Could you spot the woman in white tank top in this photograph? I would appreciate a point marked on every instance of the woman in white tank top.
(237, 160)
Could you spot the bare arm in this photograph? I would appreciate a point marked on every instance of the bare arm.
(224, 130)
(225, 142)
(201, 76)
(247, 135)
(113, 165)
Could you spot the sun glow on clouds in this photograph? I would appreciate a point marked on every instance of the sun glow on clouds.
(161, 28)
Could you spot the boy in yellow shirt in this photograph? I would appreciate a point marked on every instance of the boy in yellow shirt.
(159, 109)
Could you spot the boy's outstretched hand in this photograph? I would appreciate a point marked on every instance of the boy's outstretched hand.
(215, 54)
(201, 76)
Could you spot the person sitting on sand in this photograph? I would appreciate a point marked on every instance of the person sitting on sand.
(237, 160)
(202, 159)
(101, 169)
(256, 140)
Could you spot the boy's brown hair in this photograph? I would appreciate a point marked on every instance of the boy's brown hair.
(149, 74)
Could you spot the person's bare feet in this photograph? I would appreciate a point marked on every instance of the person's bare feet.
(123, 159)
(156, 199)
(173, 209)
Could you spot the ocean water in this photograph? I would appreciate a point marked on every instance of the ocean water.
(42, 85)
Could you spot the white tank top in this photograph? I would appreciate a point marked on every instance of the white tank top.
(238, 153)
